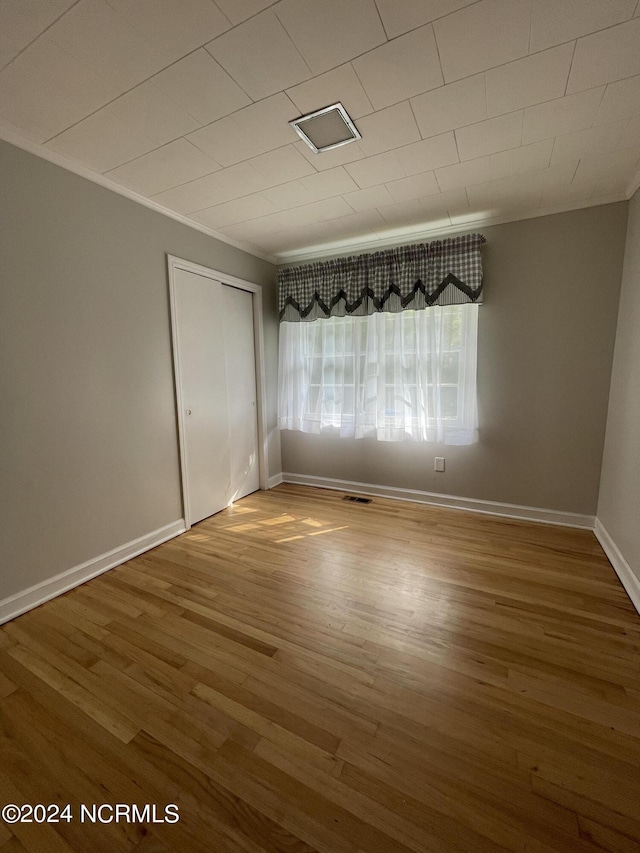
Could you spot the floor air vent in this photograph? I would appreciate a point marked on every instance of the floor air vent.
(356, 500)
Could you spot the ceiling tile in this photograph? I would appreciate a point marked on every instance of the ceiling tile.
(601, 170)
(253, 230)
(315, 187)
(252, 130)
(505, 207)
(528, 81)
(283, 164)
(202, 87)
(132, 125)
(44, 90)
(260, 56)
(582, 143)
(486, 137)
(100, 39)
(482, 36)
(331, 182)
(631, 134)
(225, 142)
(175, 28)
(532, 186)
(239, 210)
(524, 142)
(401, 213)
(295, 238)
(556, 196)
(285, 196)
(102, 142)
(362, 225)
(146, 109)
(464, 174)
(421, 212)
(269, 120)
(239, 10)
(451, 106)
(388, 128)
(234, 182)
(620, 99)
(21, 22)
(376, 170)
(332, 32)
(400, 68)
(523, 159)
(325, 160)
(317, 211)
(556, 21)
(495, 195)
(400, 17)
(428, 154)
(415, 187)
(558, 175)
(340, 84)
(369, 199)
(166, 167)
(606, 56)
(452, 201)
(563, 115)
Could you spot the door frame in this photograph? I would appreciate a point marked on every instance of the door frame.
(174, 263)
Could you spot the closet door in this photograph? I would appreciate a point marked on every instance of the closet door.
(215, 372)
(237, 306)
(203, 383)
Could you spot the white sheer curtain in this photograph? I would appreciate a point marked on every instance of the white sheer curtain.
(395, 377)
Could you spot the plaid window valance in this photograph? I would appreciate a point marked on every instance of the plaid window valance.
(445, 272)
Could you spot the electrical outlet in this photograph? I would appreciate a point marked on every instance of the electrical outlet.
(438, 464)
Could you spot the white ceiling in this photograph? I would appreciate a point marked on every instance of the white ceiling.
(470, 112)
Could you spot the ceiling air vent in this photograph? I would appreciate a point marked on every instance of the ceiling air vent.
(326, 129)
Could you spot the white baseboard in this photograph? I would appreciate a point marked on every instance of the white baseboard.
(628, 578)
(50, 588)
(527, 513)
(274, 481)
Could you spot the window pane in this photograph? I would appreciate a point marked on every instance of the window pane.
(450, 366)
(449, 402)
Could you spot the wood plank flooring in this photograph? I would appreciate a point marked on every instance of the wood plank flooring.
(299, 673)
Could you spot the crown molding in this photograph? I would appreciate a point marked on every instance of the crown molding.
(375, 244)
(14, 137)
(309, 253)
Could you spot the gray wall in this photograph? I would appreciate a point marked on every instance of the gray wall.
(619, 503)
(546, 339)
(88, 438)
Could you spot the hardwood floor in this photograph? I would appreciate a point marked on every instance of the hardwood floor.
(300, 673)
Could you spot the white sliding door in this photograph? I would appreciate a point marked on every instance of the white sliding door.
(214, 357)
(241, 391)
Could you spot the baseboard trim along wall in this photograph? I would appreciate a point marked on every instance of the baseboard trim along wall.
(29, 598)
(275, 481)
(628, 578)
(528, 513)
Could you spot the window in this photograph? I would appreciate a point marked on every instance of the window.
(404, 376)
(383, 345)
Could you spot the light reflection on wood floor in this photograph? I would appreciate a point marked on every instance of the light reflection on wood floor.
(299, 673)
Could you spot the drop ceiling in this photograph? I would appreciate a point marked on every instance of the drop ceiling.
(470, 112)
